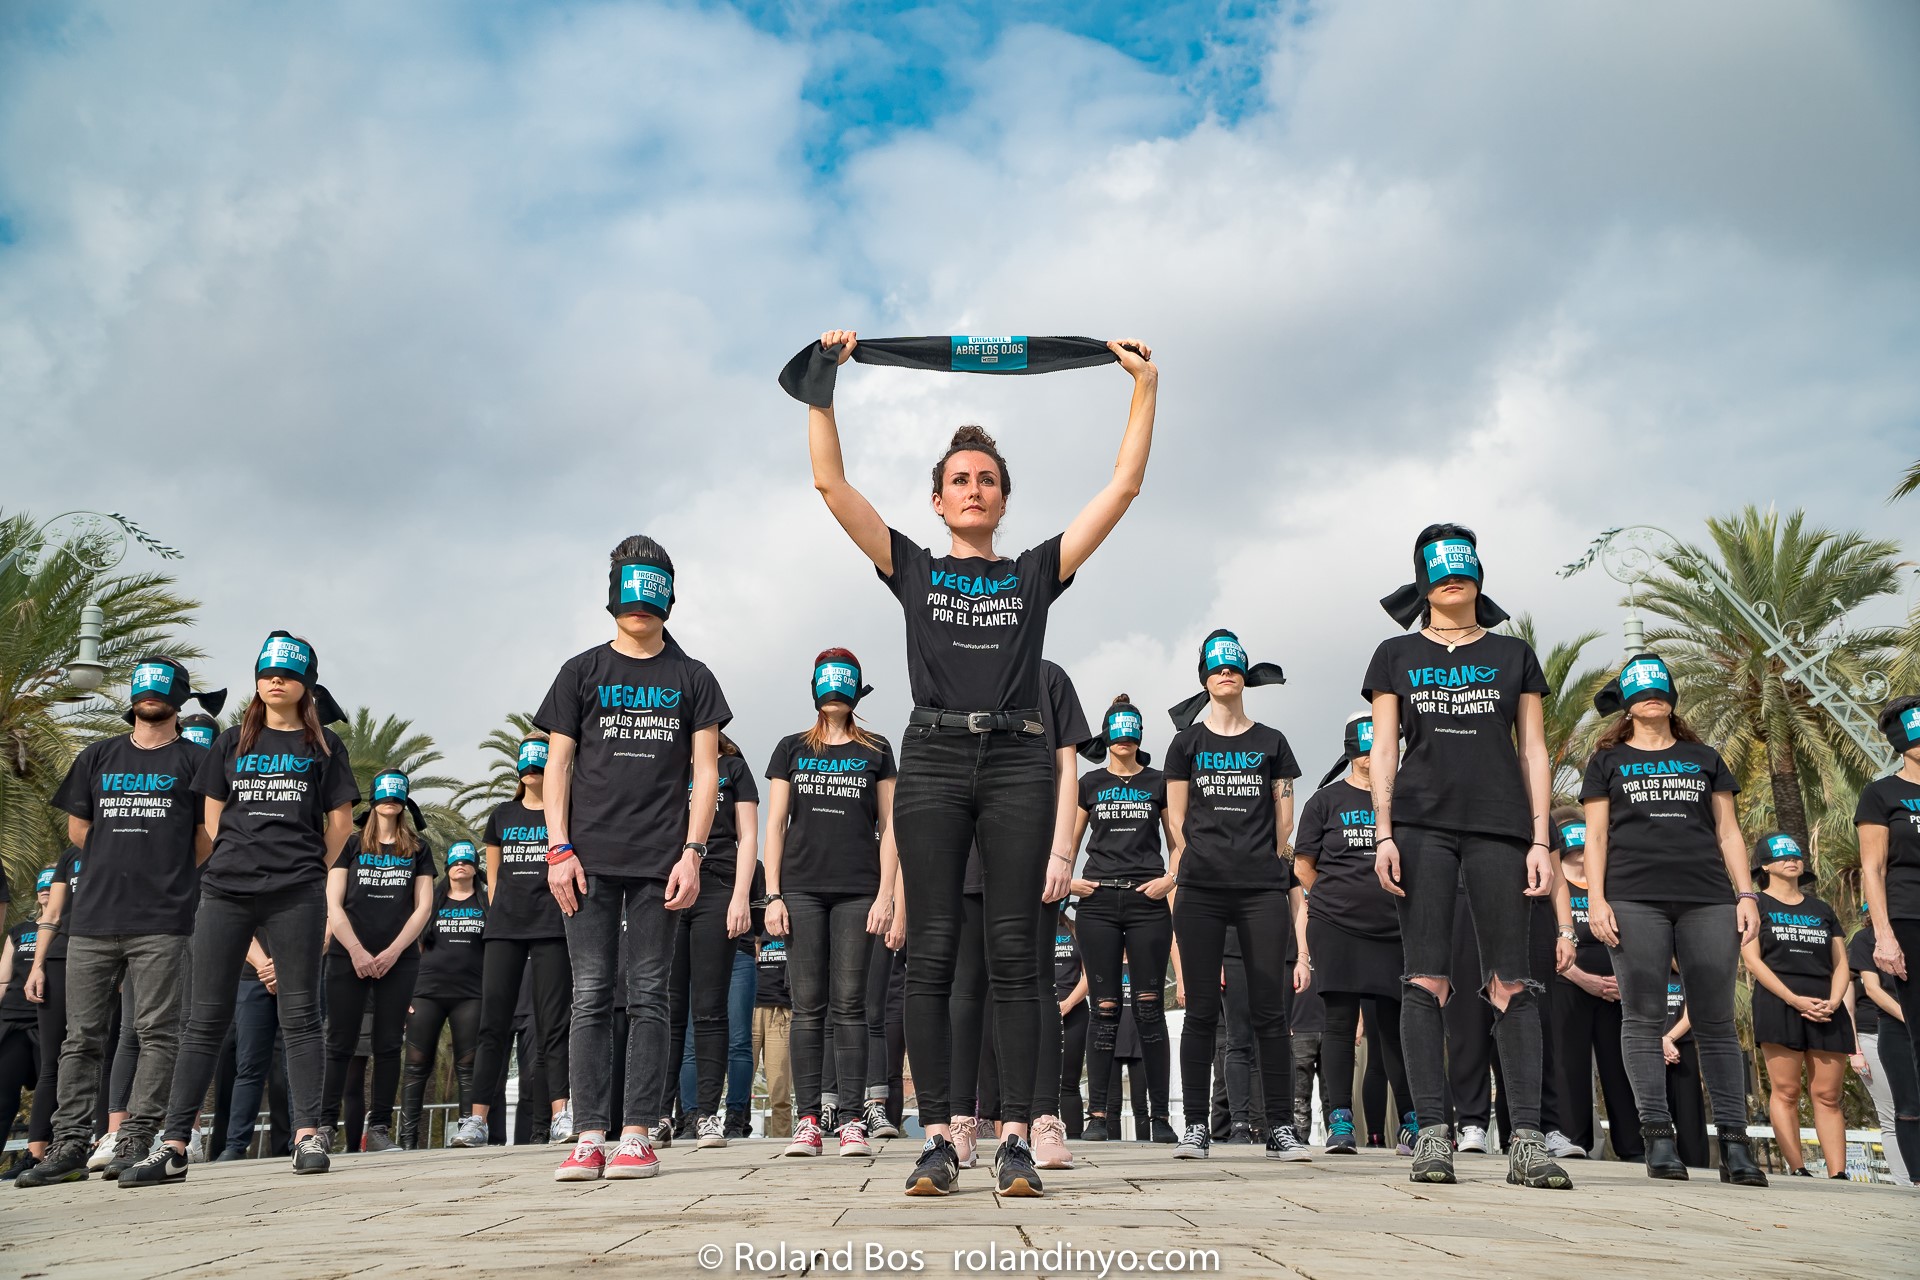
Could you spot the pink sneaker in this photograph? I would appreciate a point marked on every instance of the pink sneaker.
(806, 1138)
(584, 1164)
(965, 1130)
(1050, 1144)
(853, 1139)
(633, 1159)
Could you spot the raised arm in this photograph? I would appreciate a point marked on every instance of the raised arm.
(1097, 519)
(849, 506)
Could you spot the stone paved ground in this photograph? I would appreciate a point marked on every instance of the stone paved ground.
(499, 1213)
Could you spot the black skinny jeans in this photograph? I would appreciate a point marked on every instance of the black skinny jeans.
(1586, 1034)
(698, 982)
(955, 787)
(968, 1008)
(828, 956)
(292, 923)
(423, 1045)
(1687, 1106)
(348, 995)
(1116, 925)
(1264, 918)
(1073, 1060)
(1337, 1048)
(886, 1045)
(50, 1016)
(1047, 1031)
(19, 1067)
(1432, 863)
(502, 964)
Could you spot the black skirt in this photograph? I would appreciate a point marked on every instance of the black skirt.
(1775, 1023)
(1347, 963)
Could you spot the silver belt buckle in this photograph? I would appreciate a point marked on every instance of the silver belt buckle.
(980, 722)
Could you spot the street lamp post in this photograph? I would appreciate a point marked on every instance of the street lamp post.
(1629, 554)
(98, 543)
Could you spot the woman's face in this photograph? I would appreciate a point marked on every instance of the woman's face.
(1225, 682)
(1651, 712)
(388, 809)
(282, 693)
(535, 779)
(460, 875)
(1454, 592)
(1786, 870)
(971, 495)
(1126, 751)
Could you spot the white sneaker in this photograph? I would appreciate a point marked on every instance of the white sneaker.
(1473, 1138)
(471, 1131)
(1561, 1147)
(102, 1152)
(561, 1127)
(712, 1131)
(196, 1148)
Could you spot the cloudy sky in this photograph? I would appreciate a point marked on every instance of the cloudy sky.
(395, 318)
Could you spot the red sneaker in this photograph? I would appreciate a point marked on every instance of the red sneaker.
(633, 1159)
(806, 1138)
(584, 1164)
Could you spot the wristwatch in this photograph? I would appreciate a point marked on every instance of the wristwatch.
(699, 848)
(1566, 931)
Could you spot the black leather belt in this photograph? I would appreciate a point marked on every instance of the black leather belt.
(1026, 722)
(1118, 884)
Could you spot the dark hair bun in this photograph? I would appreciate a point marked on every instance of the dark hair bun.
(1120, 698)
(970, 436)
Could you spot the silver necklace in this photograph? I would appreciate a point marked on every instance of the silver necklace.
(1453, 644)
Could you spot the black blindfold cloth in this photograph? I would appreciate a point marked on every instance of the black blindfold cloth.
(1643, 679)
(837, 680)
(286, 654)
(199, 729)
(1778, 846)
(1900, 721)
(1433, 563)
(640, 586)
(1220, 649)
(1357, 742)
(161, 677)
(809, 376)
(392, 785)
(1122, 723)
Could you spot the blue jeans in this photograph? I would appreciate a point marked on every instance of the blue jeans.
(593, 946)
(740, 993)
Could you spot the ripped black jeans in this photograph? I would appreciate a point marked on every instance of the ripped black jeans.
(1124, 926)
(1494, 870)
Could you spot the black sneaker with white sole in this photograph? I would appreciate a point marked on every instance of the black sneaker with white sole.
(165, 1165)
(1283, 1144)
(1195, 1144)
(309, 1156)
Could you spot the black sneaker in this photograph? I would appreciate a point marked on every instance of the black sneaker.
(663, 1134)
(1197, 1144)
(1013, 1163)
(129, 1149)
(325, 1136)
(1529, 1165)
(1163, 1132)
(310, 1154)
(377, 1138)
(18, 1167)
(937, 1169)
(1283, 1144)
(163, 1166)
(1433, 1155)
(687, 1126)
(1239, 1134)
(1096, 1130)
(66, 1162)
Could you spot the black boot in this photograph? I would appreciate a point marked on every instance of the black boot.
(1736, 1160)
(1663, 1158)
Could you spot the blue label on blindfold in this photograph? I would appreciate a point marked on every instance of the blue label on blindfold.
(1224, 651)
(646, 584)
(1363, 734)
(1123, 726)
(284, 653)
(389, 786)
(44, 881)
(1574, 835)
(989, 355)
(1780, 848)
(1910, 723)
(836, 679)
(152, 677)
(533, 755)
(200, 733)
(1644, 676)
(1451, 558)
(461, 851)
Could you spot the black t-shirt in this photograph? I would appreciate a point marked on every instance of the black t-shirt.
(1230, 839)
(1461, 769)
(1662, 845)
(1798, 939)
(770, 968)
(1894, 803)
(634, 719)
(832, 842)
(1066, 960)
(379, 890)
(1588, 951)
(1336, 830)
(451, 959)
(521, 907)
(1866, 1014)
(1676, 1005)
(1123, 824)
(277, 797)
(975, 628)
(1066, 726)
(141, 877)
(737, 786)
(67, 868)
(14, 1005)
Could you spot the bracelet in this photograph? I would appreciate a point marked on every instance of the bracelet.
(559, 853)
(1380, 840)
(1749, 895)
(1539, 844)
(776, 897)
(1062, 857)
(1568, 934)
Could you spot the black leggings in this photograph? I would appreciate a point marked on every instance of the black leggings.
(1336, 1046)
(1125, 927)
(423, 1043)
(1263, 917)
(886, 1036)
(1688, 1109)
(51, 1017)
(698, 982)
(501, 965)
(1073, 1059)
(347, 997)
(1586, 1034)
(19, 1068)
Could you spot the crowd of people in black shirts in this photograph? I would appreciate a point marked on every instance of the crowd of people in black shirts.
(975, 908)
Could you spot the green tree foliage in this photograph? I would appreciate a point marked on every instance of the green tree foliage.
(1571, 724)
(501, 748)
(392, 743)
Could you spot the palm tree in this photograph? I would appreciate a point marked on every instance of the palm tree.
(1766, 726)
(1908, 483)
(502, 748)
(1570, 721)
(40, 732)
(392, 743)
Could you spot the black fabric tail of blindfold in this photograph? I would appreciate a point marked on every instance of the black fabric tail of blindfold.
(1339, 767)
(1259, 674)
(809, 377)
(1403, 606)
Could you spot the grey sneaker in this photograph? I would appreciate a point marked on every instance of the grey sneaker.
(310, 1153)
(1433, 1155)
(470, 1132)
(1283, 1145)
(561, 1127)
(378, 1138)
(712, 1131)
(325, 1138)
(1195, 1144)
(1529, 1165)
